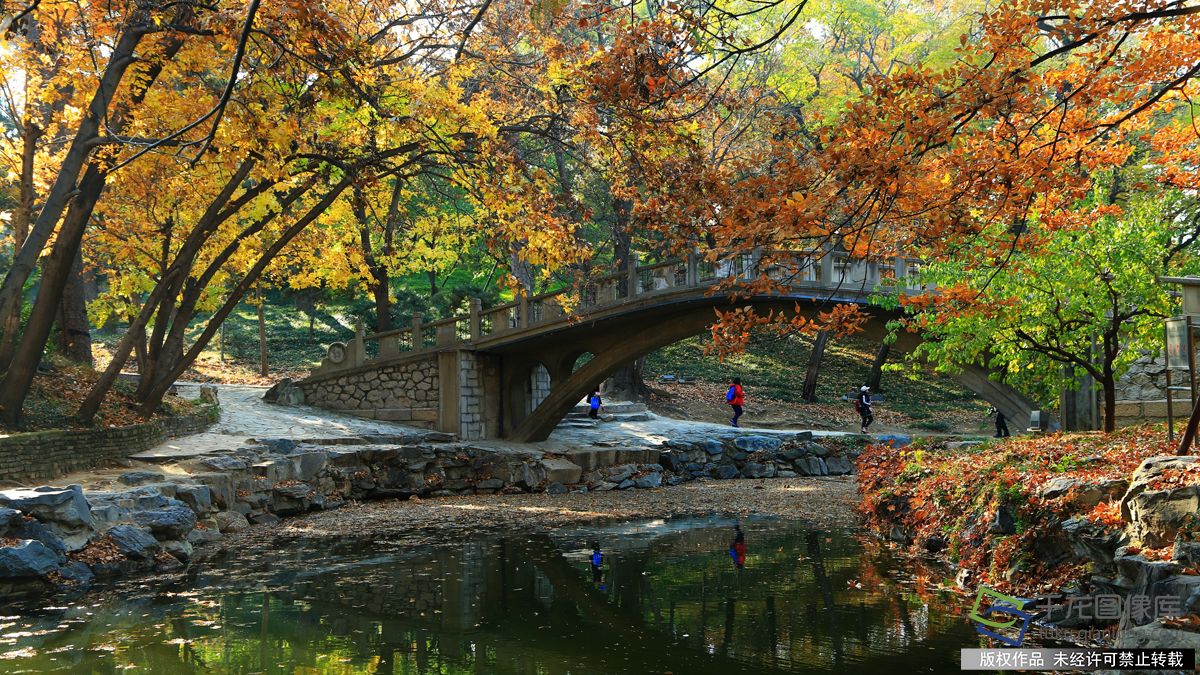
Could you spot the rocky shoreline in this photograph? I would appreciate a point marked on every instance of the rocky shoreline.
(62, 539)
(1090, 548)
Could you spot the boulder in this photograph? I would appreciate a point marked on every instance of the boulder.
(896, 440)
(307, 465)
(625, 484)
(172, 522)
(181, 550)
(559, 470)
(290, 499)
(208, 534)
(64, 506)
(38, 531)
(133, 541)
(6, 516)
(230, 521)
(490, 484)
(793, 453)
(1156, 514)
(756, 470)
(285, 392)
(556, 489)
(727, 471)
(811, 466)
(816, 449)
(617, 474)
(224, 463)
(64, 510)
(1155, 635)
(28, 558)
(197, 497)
(264, 518)
(603, 486)
(757, 443)
(140, 477)
(1002, 521)
(208, 394)
(838, 466)
(650, 480)
(75, 574)
(712, 446)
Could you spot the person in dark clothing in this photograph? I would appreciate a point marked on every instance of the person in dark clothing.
(736, 398)
(594, 404)
(863, 405)
(1001, 423)
(737, 548)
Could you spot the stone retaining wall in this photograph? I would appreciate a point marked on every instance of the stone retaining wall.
(39, 455)
(1146, 380)
(1137, 412)
(405, 392)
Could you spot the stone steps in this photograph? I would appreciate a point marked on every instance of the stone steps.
(611, 408)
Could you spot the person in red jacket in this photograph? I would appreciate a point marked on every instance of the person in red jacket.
(736, 398)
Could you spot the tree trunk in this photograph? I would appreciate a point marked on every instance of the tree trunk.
(175, 360)
(74, 337)
(1109, 385)
(433, 286)
(66, 190)
(15, 385)
(809, 392)
(22, 218)
(383, 302)
(262, 333)
(876, 374)
(627, 383)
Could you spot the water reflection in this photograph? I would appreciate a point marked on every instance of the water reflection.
(650, 597)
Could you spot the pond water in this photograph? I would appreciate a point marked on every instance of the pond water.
(668, 597)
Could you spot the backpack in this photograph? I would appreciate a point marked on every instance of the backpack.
(858, 405)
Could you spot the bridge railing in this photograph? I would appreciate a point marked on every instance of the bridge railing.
(829, 271)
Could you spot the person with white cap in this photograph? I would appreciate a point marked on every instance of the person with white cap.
(863, 405)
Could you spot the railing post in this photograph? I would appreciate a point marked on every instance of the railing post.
(693, 268)
(827, 268)
(631, 278)
(523, 310)
(476, 318)
(358, 347)
(388, 346)
(418, 334)
(447, 334)
(901, 273)
(755, 257)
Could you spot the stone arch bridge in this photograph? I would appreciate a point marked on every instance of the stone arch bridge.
(515, 370)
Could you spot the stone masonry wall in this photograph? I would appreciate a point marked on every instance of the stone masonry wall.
(471, 425)
(406, 392)
(40, 455)
(1146, 380)
(539, 386)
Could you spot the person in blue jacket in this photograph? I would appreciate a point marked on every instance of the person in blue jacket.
(736, 398)
(594, 404)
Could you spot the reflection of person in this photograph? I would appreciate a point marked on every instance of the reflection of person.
(597, 566)
(1001, 422)
(737, 549)
(736, 398)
